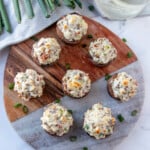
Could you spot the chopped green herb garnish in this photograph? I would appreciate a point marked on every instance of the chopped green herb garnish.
(101, 134)
(124, 40)
(17, 105)
(73, 138)
(83, 45)
(90, 36)
(134, 113)
(91, 7)
(11, 86)
(70, 111)
(78, 3)
(107, 76)
(84, 148)
(120, 118)
(34, 38)
(25, 109)
(86, 127)
(129, 54)
(57, 101)
(67, 66)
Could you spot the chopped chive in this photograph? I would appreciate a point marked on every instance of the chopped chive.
(11, 86)
(91, 7)
(90, 36)
(107, 76)
(70, 111)
(25, 109)
(83, 45)
(57, 101)
(73, 138)
(120, 118)
(17, 105)
(129, 54)
(86, 127)
(134, 113)
(34, 38)
(67, 66)
(78, 3)
(84, 148)
(124, 40)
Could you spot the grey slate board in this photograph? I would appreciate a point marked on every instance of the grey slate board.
(29, 127)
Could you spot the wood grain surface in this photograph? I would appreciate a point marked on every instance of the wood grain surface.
(20, 59)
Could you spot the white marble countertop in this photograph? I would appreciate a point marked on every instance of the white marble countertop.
(137, 33)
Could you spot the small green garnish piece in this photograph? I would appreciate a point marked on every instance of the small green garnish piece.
(11, 86)
(107, 76)
(134, 113)
(84, 148)
(78, 3)
(70, 111)
(86, 127)
(91, 7)
(17, 105)
(83, 45)
(57, 101)
(34, 38)
(73, 138)
(90, 36)
(25, 109)
(120, 118)
(129, 54)
(67, 66)
(124, 40)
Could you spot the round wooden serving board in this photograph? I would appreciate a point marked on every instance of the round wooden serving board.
(28, 125)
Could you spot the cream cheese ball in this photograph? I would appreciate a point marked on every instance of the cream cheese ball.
(102, 51)
(122, 86)
(72, 28)
(76, 83)
(98, 121)
(29, 84)
(56, 119)
(46, 51)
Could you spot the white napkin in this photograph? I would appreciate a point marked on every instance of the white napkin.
(30, 27)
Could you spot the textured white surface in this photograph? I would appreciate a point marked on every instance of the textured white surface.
(137, 32)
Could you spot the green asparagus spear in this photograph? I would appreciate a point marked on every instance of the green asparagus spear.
(5, 17)
(29, 8)
(17, 10)
(43, 8)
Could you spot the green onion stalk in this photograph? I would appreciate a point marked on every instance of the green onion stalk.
(17, 10)
(4, 16)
